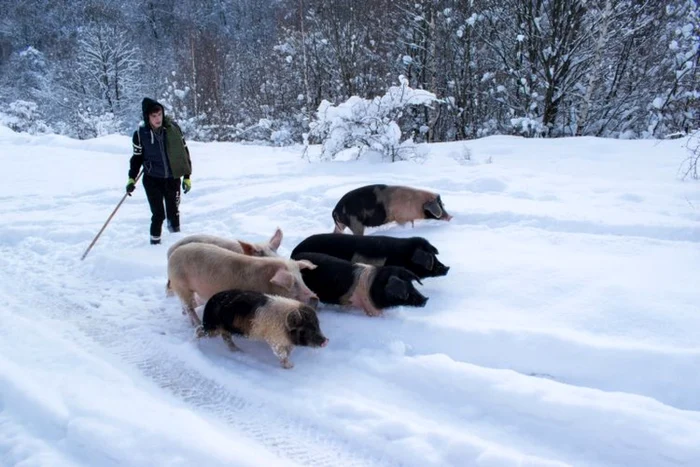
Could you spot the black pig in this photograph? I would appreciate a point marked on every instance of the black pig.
(414, 253)
(371, 288)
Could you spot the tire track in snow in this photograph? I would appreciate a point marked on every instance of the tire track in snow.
(264, 420)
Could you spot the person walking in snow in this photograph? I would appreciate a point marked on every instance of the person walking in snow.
(160, 147)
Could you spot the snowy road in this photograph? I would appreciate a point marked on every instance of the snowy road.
(566, 332)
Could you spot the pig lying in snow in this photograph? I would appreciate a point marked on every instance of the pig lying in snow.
(206, 269)
(281, 322)
(371, 288)
(375, 205)
(238, 246)
(414, 253)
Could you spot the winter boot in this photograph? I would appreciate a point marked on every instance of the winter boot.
(172, 228)
(155, 240)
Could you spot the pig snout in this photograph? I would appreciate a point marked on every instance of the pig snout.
(442, 270)
(308, 297)
(313, 302)
(315, 338)
(417, 299)
(304, 294)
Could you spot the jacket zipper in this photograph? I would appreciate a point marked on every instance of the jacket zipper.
(161, 145)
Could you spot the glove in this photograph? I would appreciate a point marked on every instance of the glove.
(131, 186)
(186, 184)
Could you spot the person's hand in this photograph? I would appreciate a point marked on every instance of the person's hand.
(186, 184)
(131, 186)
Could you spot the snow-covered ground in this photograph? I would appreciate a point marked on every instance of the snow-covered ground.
(567, 331)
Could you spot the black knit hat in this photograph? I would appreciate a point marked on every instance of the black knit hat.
(150, 105)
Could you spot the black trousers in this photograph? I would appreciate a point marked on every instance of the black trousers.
(158, 192)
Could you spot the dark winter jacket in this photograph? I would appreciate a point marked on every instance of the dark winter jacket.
(163, 153)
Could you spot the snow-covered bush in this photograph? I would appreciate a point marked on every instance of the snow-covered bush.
(529, 127)
(369, 124)
(24, 116)
(92, 125)
(281, 137)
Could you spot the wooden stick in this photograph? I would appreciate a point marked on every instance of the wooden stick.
(108, 219)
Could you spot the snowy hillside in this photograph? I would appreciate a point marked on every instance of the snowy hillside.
(567, 331)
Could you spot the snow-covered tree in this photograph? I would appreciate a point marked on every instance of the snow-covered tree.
(109, 70)
(675, 105)
(539, 51)
(252, 70)
(637, 86)
(30, 74)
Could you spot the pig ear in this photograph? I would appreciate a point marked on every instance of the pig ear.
(276, 239)
(444, 214)
(293, 320)
(433, 207)
(248, 248)
(423, 258)
(395, 287)
(410, 276)
(210, 318)
(283, 278)
(306, 264)
(430, 248)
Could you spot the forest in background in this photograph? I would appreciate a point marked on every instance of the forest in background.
(243, 70)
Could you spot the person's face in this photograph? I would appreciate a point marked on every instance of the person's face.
(156, 119)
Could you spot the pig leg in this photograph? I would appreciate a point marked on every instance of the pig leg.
(194, 318)
(282, 352)
(196, 301)
(226, 336)
(188, 305)
(366, 305)
(371, 310)
(338, 227)
(356, 226)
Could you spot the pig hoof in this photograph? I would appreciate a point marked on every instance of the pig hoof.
(286, 364)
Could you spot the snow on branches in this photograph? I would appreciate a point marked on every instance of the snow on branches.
(369, 124)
